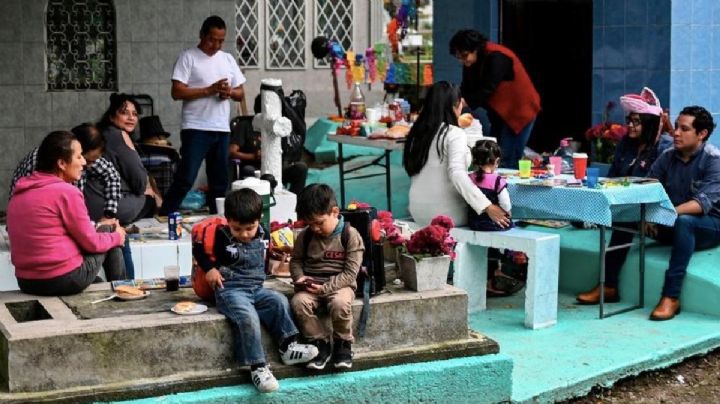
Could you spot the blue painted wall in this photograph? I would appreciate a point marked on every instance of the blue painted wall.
(695, 57)
(631, 49)
(671, 46)
(449, 17)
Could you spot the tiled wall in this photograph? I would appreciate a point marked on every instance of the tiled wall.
(449, 17)
(695, 57)
(631, 49)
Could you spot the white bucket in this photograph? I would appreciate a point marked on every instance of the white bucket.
(262, 187)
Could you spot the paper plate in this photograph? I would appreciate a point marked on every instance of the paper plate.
(199, 308)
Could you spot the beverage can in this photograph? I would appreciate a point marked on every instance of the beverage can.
(174, 226)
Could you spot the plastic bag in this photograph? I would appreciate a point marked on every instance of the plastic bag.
(194, 200)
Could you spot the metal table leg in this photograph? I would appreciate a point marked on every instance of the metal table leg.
(641, 267)
(387, 179)
(603, 252)
(342, 175)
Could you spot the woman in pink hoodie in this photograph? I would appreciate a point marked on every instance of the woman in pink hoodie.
(53, 245)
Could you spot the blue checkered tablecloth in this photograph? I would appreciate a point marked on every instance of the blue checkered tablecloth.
(600, 206)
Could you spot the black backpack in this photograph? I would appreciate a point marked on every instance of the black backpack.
(293, 108)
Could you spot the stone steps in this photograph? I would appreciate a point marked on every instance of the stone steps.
(143, 344)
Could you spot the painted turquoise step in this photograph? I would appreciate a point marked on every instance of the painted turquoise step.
(579, 270)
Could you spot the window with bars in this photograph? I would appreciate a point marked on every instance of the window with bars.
(247, 33)
(285, 34)
(334, 20)
(81, 43)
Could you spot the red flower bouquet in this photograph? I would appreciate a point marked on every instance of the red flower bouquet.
(391, 232)
(433, 240)
(605, 136)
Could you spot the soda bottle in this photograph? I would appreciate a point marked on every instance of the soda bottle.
(566, 153)
(357, 103)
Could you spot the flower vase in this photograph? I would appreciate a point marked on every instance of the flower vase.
(426, 274)
(389, 252)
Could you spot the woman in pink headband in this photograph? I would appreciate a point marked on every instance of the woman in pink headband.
(634, 155)
(637, 150)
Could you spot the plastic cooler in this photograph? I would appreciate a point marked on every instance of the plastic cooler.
(262, 188)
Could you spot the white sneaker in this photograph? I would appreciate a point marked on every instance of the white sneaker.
(298, 353)
(264, 380)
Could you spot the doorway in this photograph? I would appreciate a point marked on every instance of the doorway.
(553, 39)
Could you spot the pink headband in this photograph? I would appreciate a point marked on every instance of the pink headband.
(645, 103)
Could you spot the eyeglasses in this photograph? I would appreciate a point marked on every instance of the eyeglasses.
(633, 121)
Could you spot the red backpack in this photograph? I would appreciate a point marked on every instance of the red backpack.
(204, 233)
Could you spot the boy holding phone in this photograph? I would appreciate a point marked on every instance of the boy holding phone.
(324, 273)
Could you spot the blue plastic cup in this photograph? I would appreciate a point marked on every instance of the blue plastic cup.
(593, 173)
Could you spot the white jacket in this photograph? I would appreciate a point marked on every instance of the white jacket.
(443, 187)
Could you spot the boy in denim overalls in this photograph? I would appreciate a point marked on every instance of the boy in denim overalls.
(237, 277)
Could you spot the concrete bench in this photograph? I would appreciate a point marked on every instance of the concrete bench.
(543, 251)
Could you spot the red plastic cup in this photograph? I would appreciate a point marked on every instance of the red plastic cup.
(580, 163)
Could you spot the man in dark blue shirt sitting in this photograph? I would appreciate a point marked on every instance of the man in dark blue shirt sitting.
(690, 174)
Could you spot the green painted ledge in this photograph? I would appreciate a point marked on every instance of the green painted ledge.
(477, 379)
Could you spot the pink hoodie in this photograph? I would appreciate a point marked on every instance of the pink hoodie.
(49, 228)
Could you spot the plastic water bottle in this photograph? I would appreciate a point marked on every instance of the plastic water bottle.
(566, 153)
(357, 103)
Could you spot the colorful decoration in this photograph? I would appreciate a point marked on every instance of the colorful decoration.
(427, 75)
(358, 69)
(406, 13)
(370, 65)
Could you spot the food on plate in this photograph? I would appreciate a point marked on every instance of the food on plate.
(465, 120)
(128, 291)
(184, 307)
(397, 131)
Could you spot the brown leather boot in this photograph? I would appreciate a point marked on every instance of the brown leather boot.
(593, 297)
(666, 309)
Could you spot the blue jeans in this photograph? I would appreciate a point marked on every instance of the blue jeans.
(512, 145)
(481, 115)
(127, 257)
(196, 146)
(689, 234)
(247, 308)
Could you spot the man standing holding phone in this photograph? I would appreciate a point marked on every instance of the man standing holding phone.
(205, 78)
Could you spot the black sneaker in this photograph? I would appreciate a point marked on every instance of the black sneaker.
(342, 354)
(323, 356)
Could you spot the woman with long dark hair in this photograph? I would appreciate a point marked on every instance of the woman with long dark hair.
(138, 200)
(53, 245)
(437, 158)
(634, 155)
(636, 152)
(117, 124)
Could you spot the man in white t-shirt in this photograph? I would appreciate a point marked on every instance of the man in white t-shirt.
(205, 78)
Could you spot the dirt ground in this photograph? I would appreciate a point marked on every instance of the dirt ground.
(696, 380)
